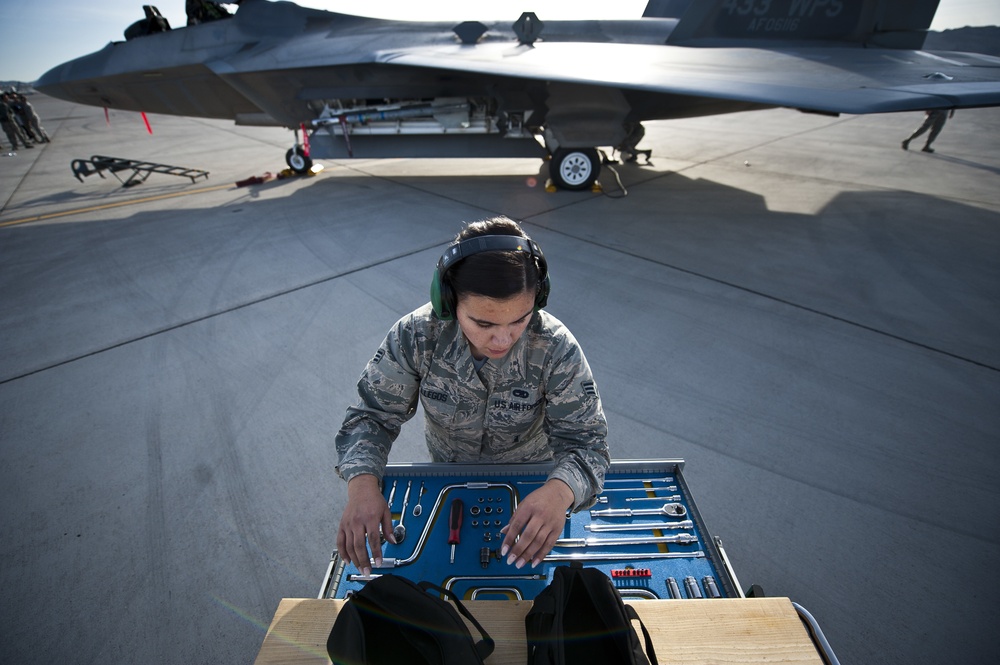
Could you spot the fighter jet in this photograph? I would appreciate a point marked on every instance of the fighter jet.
(366, 87)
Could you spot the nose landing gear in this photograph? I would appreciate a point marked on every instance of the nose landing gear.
(298, 160)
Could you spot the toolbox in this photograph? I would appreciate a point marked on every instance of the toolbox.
(645, 533)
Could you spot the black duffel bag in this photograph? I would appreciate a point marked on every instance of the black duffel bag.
(394, 620)
(580, 618)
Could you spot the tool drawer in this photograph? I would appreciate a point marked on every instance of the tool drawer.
(645, 533)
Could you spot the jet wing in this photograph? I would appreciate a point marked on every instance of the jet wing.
(826, 79)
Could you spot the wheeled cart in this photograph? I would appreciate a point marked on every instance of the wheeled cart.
(645, 533)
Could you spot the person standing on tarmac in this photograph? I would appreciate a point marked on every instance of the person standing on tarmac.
(500, 381)
(935, 122)
(32, 123)
(10, 125)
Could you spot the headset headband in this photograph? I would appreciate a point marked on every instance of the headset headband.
(497, 243)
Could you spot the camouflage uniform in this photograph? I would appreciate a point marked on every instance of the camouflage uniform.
(9, 124)
(537, 403)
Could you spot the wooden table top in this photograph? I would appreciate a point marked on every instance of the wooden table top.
(696, 632)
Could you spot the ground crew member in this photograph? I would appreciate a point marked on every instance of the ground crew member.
(500, 380)
(934, 121)
(32, 123)
(10, 126)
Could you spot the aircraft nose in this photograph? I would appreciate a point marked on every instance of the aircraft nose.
(64, 81)
(51, 83)
(50, 78)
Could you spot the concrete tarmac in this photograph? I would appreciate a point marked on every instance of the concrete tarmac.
(805, 313)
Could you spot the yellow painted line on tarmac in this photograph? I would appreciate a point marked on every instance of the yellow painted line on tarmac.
(117, 204)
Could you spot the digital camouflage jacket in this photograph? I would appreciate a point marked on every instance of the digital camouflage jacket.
(537, 403)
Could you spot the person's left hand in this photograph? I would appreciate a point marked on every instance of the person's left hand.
(536, 524)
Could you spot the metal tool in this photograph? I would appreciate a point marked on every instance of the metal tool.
(641, 526)
(392, 495)
(668, 488)
(673, 497)
(711, 588)
(680, 538)
(399, 531)
(629, 573)
(665, 479)
(638, 592)
(636, 556)
(512, 590)
(419, 547)
(668, 509)
(450, 582)
(673, 589)
(417, 509)
(692, 588)
(455, 525)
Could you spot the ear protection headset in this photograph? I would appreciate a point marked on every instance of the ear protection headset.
(444, 300)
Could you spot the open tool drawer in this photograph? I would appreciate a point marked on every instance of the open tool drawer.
(645, 533)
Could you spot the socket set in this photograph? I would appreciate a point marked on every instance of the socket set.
(644, 532)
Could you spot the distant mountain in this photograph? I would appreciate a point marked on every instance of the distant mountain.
(972, 40)
(18, 86)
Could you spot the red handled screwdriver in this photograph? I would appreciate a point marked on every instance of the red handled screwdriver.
(455, 525)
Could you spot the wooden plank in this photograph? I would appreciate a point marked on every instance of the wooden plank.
(684, 632)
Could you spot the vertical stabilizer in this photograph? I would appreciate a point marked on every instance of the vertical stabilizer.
(666, 8)
(885, 23)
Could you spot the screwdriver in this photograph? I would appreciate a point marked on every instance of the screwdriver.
(455, 525)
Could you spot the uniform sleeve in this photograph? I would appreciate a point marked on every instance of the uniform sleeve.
(578, 430)
(387, 397)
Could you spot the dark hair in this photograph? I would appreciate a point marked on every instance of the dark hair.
(501, 274)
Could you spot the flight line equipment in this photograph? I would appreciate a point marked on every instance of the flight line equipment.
(455, 541)
(140, 170)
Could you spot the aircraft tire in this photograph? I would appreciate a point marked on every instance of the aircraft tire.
(297, 160)
(575, 168)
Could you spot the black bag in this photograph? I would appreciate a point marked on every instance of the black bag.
(394, 620)
(580, 618)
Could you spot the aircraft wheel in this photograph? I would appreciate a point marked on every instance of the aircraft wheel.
(297, 160)
(575, 168)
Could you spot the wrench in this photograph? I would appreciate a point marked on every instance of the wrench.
(581, 556)
(399, 531)
(668, 509)
(666, 479)
(643, 526)
(675, 497)
(392, 495)
(681, 538)
(417, 509)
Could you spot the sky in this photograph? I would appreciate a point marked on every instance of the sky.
(39, 34)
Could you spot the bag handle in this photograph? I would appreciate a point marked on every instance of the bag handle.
(485, 646)
(650, 651)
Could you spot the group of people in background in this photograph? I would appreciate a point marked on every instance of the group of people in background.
(20, 122)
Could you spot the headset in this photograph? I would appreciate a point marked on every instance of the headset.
(443, 299)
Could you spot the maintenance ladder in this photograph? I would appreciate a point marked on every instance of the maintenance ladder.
(140, 170)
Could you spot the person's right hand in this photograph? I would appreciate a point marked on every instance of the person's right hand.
(365, 511)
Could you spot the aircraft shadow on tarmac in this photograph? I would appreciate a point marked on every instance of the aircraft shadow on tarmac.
(856, 260)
